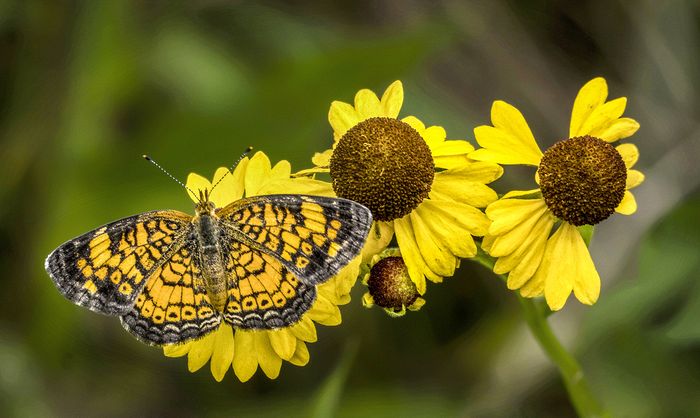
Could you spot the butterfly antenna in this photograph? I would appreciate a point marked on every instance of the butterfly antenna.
(149, 159)
(246, 152)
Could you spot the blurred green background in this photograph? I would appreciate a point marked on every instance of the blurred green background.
(86, 87)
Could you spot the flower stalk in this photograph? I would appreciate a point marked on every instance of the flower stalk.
(535, 313)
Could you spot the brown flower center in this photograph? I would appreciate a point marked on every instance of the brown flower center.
(390, 285)
(582, 179)
(384, 164)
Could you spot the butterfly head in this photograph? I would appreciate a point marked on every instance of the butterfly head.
(204, 206)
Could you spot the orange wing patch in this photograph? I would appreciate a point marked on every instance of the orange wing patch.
(263, 294)
(173, 307)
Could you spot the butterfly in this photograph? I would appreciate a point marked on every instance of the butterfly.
(172, 277)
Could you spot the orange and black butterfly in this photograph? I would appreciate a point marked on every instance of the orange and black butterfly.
(172, 277)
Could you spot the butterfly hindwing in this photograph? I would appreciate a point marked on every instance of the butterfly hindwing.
(312, 236)
(262, 293)
(173, 306)
(105, 269)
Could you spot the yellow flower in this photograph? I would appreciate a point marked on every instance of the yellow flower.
(583, 180)
(389, 165)
(248, 350)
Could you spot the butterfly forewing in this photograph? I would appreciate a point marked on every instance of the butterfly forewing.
(105, 269)
(313, 237)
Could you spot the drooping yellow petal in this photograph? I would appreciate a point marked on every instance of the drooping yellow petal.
(367, 104)
(283, 342)
(556, 269)
(510, 241)
(301, 355)
(586, 278)
(435, 253)
(591, 95)
(459, 215)
(342, 117)
(509, 140)
(506, 214)
(628, 205)
(392, 100)
(415, 264)
(222, 356)
(466, 184)
(201, 351)
(451, 147)
(567, 266)
(269, 361)
(526, 259)
(245, 360)
(629, 153)
(379, 237)
(304, 330)
(177, 350)
(324, 312)
(445, 225)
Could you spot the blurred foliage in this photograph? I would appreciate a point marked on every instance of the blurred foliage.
(86, 88)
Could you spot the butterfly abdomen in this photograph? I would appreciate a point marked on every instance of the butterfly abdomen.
(211, 259)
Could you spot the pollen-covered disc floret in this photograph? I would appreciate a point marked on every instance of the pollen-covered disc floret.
(390, 285)
(384, 164)
(582, 179)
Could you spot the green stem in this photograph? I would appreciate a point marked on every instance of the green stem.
(582, 398)
(536, 313)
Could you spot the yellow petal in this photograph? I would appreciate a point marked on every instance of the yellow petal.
(451, 161)
(301, 355)
(555, 269)
(586, 278)
(415, 264)
(342, 117)
(245, 360)
(304, 330)
(629, 153)
(435, 253)
(177, 350)
(281, 170)
(324, 312)
(621, 128)
(506, 214)
(523, 262)
(322, 159)
(451, 147)
(510, 241)
(269, 361)
(466, 184)
(603, 116)
(200, 353)
(283, 342)
(509, 140)
(222, 357)
(520, 193)
(379, 237)
(461, 216)
(257, 173)
(367, 300)
(392, 99)
(434, 136)
(591, 95)
(367, 104)
(444, 225)
(415, 123)
(634, 179)
(628, 205)
(195, 183)
(297, 186)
